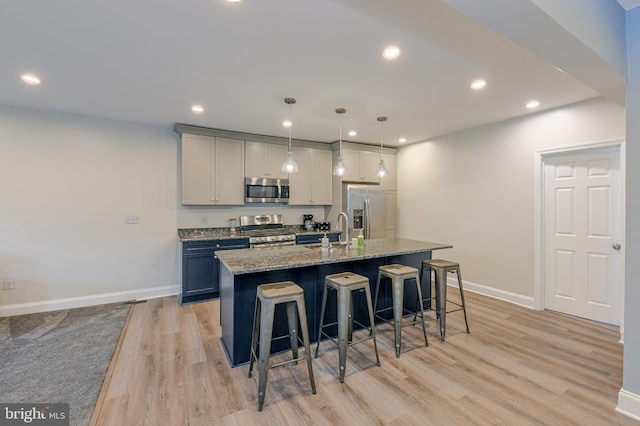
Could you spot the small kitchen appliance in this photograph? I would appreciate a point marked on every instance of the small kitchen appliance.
(323, 226)
(266, 190)
(308, 222)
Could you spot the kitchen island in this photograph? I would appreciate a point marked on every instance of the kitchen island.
(242, 271)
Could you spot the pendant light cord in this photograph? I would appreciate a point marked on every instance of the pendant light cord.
(290, 126)
(381, 120)
(381, 126)
(340, 135)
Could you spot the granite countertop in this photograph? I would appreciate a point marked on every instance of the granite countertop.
(207, 234)
(248, 261)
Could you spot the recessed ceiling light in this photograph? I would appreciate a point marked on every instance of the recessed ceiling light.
(287, 123)
(30, 79)
(532, 104)
(402, 140)
(391, 52)
(233, 1)
(478, 84)
(352, 133)
(198, 109)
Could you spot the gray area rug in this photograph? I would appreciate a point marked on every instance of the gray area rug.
(59, 356)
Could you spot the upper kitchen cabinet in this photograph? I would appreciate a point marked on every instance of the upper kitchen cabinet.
(212, 170)
(362, 166)
(311, 185)
(264, 160)
(390, 181)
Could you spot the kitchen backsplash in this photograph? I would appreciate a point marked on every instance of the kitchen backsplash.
(218, 217)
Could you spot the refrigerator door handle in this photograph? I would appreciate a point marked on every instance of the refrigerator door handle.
(367, 218)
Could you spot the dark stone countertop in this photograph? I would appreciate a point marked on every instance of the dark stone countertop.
(207, 234)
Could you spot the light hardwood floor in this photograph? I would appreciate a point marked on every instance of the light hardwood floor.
(517, 367)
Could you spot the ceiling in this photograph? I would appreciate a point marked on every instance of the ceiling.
(629, 4)
(149, 61)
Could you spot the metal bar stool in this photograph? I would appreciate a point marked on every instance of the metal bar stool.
(441, 267)
(344, 283)
(398, 274)
(268, 296)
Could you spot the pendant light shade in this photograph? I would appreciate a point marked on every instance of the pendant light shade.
(340, 169)
(289, 165)
(382, 170)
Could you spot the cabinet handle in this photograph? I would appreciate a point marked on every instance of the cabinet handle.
(217, 245)
(215, 257)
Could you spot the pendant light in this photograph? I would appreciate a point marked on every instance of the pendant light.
(340, 169)
(289, 165)
(382, 170)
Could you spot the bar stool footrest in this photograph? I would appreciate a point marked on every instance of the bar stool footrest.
(333, 338)
(406, 315)
(289, 361)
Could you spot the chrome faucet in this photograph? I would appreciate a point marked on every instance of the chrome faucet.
(346, 227)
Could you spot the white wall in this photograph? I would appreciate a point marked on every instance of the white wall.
(475, 190)
(66, 184)
(629, 397)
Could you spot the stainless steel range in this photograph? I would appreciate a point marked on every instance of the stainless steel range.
(266, 230)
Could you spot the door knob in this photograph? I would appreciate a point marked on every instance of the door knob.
(616, 246)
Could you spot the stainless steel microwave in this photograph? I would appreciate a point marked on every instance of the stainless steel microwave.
(266, 190)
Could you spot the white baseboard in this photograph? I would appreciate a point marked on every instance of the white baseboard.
(79, 302)
(517, 299)
(628, 404)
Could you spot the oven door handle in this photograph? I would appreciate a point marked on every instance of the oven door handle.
(276, 244)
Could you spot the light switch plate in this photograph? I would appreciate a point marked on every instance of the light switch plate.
(7, 284)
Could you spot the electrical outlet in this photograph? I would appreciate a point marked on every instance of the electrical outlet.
(131, 220)
(7, 284)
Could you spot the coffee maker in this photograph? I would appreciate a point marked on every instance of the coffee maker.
(307, 222)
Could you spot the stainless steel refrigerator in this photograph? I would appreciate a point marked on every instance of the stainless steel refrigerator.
(367, 210)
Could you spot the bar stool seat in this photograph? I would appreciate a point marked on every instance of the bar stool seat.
(441, 267)
(267, 297)
(398, 274)
(344, 283)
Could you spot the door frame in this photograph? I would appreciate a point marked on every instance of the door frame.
(539, 242)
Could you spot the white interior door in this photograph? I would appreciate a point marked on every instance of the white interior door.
(582, 218)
